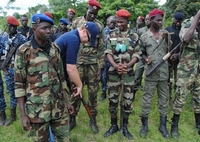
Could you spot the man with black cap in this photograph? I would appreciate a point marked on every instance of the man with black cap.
(40, 85)
(155, 45)
(90, 62)
(8, 42)
(173, 61)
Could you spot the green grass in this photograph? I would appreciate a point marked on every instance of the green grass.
(83, 133)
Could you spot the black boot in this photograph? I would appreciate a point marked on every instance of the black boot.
(2, 118)
(174, 126)
(103, 96)
(93, 124)
(113, 128)
(197, 121)
(125, 129)
(162, 128)
(72, 122)
(12, 117)
(144, 129)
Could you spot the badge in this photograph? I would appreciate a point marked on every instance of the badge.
(37, 20)
(94, 7)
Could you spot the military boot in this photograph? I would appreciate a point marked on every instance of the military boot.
(162, 128)
(174, 126)
(103, 96)
(197, 121)
(72, 122)
(93, 124)
(125, 129)
(2, 118)
(144, 129)
(12, 117)
(113, 128)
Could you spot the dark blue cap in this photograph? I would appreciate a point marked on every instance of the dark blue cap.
(63, 20)
(179, 16)
(93, 30)
(38, 18)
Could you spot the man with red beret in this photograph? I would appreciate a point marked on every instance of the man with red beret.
(13, 39)
(155, 44)
(139, 23)
(54, 28)
(70, 15)
(90, 62)
(122, 55)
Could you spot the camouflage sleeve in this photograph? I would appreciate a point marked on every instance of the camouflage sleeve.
(101, 49)
(20, 73)
(109, 48)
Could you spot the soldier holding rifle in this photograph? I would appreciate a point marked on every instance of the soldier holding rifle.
(10, 42)
(154, 46)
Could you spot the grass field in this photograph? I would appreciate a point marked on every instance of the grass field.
(83, 133)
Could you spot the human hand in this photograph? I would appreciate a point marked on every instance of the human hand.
(70, 108)
(26, 123)
(148, 60)
(174, 58)
(76, 90)
(122, 68)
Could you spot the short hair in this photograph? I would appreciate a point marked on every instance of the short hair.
(24, 15)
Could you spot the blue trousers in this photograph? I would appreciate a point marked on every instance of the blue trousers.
(51, 138)
(104, 76)
(9, 77)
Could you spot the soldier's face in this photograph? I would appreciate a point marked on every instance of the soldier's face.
(91, 14)
(12, 29)
(24, 21)
(42, 31)
(157, 22)
(122, 23)
(177, 23)
(70, 15)
(63, 27)
(112, 23)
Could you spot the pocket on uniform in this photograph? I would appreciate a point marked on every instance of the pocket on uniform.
(131, 73)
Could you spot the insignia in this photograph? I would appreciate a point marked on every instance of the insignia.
(94, 7)
(37, 20)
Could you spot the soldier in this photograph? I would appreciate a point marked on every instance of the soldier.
(173, 61)
(139, 69)
(90, 63)
(154, 45)
(62, 27)
(139, 22)
(25, 29)
(111, 25)
(70, 15)
(40, 84)
(188, 73)
(12, 40)
(122, 55)
(54, 28)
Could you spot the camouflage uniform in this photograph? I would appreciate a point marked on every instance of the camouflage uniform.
(139, 69)
(156, 50)
(90, 60)
(114, 78)
(7, 44)
(188, 78)
(38, 77)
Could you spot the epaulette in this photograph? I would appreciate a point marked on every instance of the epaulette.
(186, 23)
(24, 47)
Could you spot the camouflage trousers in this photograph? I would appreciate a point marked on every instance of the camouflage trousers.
(148, 94)
(115, 81)
(172, 75)
(88, 74)
(60, 129)
(187, 83)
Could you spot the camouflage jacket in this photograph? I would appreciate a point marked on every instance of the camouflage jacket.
(130, 39)
(88, 54)
(38, 77)
(155, 50)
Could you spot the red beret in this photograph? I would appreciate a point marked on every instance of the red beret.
(94, 4)
(71, 10)
(155, 12)
(141, 17)
(12, 20)
(49, 15)
(123, 13)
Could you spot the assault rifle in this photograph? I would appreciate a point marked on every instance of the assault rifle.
(162, 60)
(73, 88)
(9, 55)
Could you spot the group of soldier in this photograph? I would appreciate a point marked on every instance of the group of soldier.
(81, 52)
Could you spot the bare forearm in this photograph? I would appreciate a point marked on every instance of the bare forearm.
(21, 103)
(74, 75)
